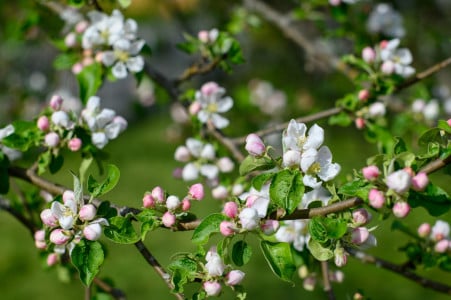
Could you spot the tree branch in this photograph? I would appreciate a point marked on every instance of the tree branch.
(198, 69)
(226, 142)
(114, 292)
(436, 165)
(326, 280)
(6, 206)
(401, 270)
(163, 81)
(151, 260)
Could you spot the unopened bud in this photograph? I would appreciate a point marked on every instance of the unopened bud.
(43, 123)
(420, 181)
(361, 216)
(173, 202)
(424, 230)
(92, 232)
(371, 172)
(363, 95)
(87, 212)
(230, 209)
(376, 198)
(270, 226)
(158, 194)
(186, 204)
(220, 192)
(225, 165)
(74, 144)
(56, 102)
(52, 259)
(168, 219)
(227, 228)
(196, 191)
(52, 139)
(359, 123)
(401, 209)
(254, 145)
(212, 288)
(368, 54)
(48, 218)
(234, 277)
(442, 246)
(58, 237)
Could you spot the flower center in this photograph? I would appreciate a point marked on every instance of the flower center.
(301, 141)
(314, 168)
(212, 107)
(121, 55)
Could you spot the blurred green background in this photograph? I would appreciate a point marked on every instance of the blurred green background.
(144, 153)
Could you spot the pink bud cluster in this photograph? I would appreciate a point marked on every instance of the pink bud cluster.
(438, 235)
(171, 204)
(398, 182)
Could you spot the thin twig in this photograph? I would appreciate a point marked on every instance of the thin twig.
(198, 69)
(326, 280)
(151, 260)
(401, 270)
(114, 292)
(88, 292)
(6, 206)
(163, 81)
(436, 165)
(226, 142)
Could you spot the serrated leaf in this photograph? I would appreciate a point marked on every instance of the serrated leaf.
(286, 190)
(318, 251)
(357, 188)
(121, 231)
(259, 180)
(279, 258)
(434, 199)
(241, 253)
(89, 80)
(87, 257)
(252, 163)
(97, 189)
(207, 227)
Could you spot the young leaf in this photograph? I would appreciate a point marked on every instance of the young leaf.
(208, 226)
(259, 180)
(434, 199)
(89, 80)
(279, 258)
(87, 257)
(286, 190)
(318, 251)
(121, 231)
(97, 189)
(241, 253)
(252, 163)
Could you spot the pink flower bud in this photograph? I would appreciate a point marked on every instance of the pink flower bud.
(309, 283)
(186, 204)
(237, 189)
(196, 191)
(74, 144)
(48, 218)
(226, 228)
(70, 40)
(99, 57)
(87, 212)
(68, 195)
(52, 259)
(442, 246)
(173, 202)
(401, 209)
(368, 54)
(203, 36)
(449, 122)
(177, 173)
(359, 235)
(388, 67)
(409, 171)
(148, 201)
(363, 95)
(440, 230)
(340, 257)
(359, 123)
(220, 192)
(56, 102)
(234, 277)
(52, 139)
(361, 216)
(59, 237)
(376, 198)
(230, 209)
(77, 68)
(39, 239)
(212, 288)
(383, 44)
(194, 108)
(254, 145)
(209, 88)
(182, 154)
(399, 181)
(87, 61)
(270, 226)
(371, 172)
(43, 123)
(420, 181)
(92, 232)
(168, 219)
(81, 26)
(424, 230)
(225, 165)
(158, 194)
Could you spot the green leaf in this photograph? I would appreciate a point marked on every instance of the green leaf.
(259, 180)
(56, 162)
(148, 221)
(434, 199)
(252, 163)
(97, 189)
(433, 135)
(357, 188)
(241, 253)
(342, 119)
(286, 190)
(84, 166)
(183, 271)
(208, 226)
(124, 3)
(87, 257)
(323, 229)
(279, 258)
(121, 231)
(78, 189)
(65, 61)
(318, 251)
(400, 146)
(89, 80)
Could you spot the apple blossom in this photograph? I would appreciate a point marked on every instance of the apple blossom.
(220, 192)
(168, 219)
(124, 57)
(214, 266)
(371, 172)
(291, 158)
(65, 213)
(368, 54)
(254, 145)
(431, 110)
(172, 202)
(424, 230)
(92, 231)
(295, 232)
(401, 209)
(442, 246)
(227, 228)
(59, 236)
(384, 19)
(270, 226)
(212, 104)
(420, 181)
(400, 59)
(440, 230)
(234, 277)
(43, 123)
(52, 139)
(212, 288)
(399, 181)
(74, 144)
(52, 259)
(87, 212)
(182, 154)
(376, 110)
(249, 218)
(225, 164)
(68, 195)
(359, 235)
(376, 198)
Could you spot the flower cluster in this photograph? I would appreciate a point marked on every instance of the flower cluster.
(437, 234)
(200, 159)
(65, 224)
(384, 19)
(209, 103)
(392, 191)
(215, 273)
(171, 205)
(60, 126)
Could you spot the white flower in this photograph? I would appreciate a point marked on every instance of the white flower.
(318, 194)
(318, 163)
(399, 181)
(214, 266)
(376, 109)
(61, 118)
(440, 230)
(65, 213)
(212, 104)
(384, 19)
(124, 57)
(293, 231)
(431, 110)
(104, 29)
(294, 137)
(249, 218)
(401, 58)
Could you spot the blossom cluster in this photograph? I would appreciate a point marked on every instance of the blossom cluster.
(171, 205)
(215, 273)
(65, 224)
(108, 39)
(439, 235)
(60, 126)
(392, 190)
